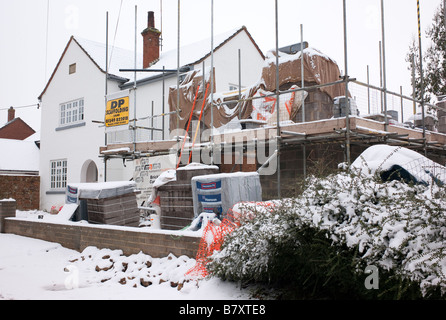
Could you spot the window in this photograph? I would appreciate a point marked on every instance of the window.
(71, 113)
(58, 174)
(72, 68)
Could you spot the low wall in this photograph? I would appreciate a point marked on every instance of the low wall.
(131, 241)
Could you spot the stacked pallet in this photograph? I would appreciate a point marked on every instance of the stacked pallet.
(120, 210)
(111, 203)
(177, 206)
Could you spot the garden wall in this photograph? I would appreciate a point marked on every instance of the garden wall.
(25, 189)
(130, 241)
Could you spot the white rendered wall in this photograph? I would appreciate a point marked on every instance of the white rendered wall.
(78, 144)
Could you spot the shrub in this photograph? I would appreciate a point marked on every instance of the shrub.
(318, 244)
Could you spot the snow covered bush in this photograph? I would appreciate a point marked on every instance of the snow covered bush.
(324, 239)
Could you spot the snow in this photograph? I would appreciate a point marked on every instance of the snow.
(270, 57)
(118, 57)
(392, 224)
(383, 157)
(124, 59)
(65, 213)
(198, 166)
(95, 186)
(190, 53)
(165, 177)
(117, 150)
(98, 190)
(19, 155)
(32, 269)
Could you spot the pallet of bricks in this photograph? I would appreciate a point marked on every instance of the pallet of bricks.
(120, 211)
(176, 201)
(113, 204)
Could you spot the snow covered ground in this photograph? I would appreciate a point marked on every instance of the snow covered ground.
(32, 269)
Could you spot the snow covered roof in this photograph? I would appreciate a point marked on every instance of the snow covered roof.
(193, 53)
(119, 58)
(19, 155)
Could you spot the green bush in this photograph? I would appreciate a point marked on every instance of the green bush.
(317, 246)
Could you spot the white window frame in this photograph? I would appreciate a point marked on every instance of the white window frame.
(71, 113)
(58, 174)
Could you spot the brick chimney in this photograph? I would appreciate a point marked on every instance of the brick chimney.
(151, 42)
(11, 114)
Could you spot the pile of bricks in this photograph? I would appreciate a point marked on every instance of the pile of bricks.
(177, 206)
(121, 210)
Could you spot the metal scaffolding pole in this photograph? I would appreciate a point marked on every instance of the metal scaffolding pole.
(386, 120)
(302, 75)
(346, 79)
(421, 75)
(164, 102)
(381, 76)
(106, 88)
(134, 82)
(277, 101)
(402, 105)
(178, 82)
(212, 82)
(239, 81)
(368, 89)
(239, 97)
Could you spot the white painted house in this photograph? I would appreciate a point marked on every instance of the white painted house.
(74, 97)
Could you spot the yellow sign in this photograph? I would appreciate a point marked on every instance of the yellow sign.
(117, 112)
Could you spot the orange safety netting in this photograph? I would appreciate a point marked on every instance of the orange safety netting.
(213, 238)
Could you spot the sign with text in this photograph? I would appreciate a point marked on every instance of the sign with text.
(147, 170)
(117, 112)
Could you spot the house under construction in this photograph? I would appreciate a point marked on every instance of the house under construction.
(315, 131)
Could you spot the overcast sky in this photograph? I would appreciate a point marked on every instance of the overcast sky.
(29, 54)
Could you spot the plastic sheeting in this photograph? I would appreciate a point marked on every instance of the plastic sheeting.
(101, 190)
(220, 192)
(318, 69)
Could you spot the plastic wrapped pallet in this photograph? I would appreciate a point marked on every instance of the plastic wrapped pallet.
(103, 190)
(107, 202)
(219, 192)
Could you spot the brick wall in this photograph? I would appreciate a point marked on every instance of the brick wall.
(24, 189)
(130, 241)
(322, 159)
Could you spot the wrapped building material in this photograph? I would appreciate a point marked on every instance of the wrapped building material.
(111, 203)
(220, 192)
(176, 202)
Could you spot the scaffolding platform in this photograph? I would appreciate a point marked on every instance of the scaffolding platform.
(362, 131)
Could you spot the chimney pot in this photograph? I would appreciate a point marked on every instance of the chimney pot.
(11, 114)
(151, 20)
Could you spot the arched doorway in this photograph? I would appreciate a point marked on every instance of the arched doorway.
(89, 172)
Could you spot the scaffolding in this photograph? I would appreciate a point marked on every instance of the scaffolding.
(371, 115)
